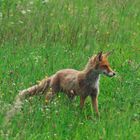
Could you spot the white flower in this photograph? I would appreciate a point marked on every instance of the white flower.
(23, 12)
(28, 10)
(45, 1)
(31, 2)
(21, 22)
(12, 23)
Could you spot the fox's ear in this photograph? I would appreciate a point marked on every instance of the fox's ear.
(108, 53)
(99, 56)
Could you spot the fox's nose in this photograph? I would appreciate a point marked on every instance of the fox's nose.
(114, 73)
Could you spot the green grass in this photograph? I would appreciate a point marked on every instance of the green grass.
(37, 38)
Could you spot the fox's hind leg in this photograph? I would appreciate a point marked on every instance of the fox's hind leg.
(49, 95)
(54, 89)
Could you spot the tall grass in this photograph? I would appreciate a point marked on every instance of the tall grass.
(37, 38)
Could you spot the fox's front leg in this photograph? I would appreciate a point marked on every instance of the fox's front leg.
(95, 105)
(94, 98)
(82, 101)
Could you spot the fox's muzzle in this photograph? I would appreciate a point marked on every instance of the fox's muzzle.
(110, 74)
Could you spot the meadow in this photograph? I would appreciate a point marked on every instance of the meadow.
(40, 37)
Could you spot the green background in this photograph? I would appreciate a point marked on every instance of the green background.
(38, 38)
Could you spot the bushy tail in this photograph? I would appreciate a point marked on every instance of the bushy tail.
(34, 90)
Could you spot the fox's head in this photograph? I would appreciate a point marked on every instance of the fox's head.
(102, 65)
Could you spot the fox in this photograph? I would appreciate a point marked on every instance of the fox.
(72, 82)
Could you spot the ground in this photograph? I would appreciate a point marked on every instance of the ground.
(38, 38)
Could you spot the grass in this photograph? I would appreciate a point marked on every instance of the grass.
(37, 38)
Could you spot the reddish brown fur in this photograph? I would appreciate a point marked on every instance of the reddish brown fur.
(73, 82)
(81, 83)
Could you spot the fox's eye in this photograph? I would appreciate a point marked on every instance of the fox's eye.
(105, 66)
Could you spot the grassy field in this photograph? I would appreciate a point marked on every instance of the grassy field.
(39, 37)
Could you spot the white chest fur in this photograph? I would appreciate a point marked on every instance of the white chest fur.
(95, 82)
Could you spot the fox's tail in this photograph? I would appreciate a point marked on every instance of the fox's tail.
(37, 89)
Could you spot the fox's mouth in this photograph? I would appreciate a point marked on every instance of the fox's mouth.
(110, 74)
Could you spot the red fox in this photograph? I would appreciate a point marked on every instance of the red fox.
(76, 83)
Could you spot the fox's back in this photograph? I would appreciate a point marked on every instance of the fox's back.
(67, 79)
